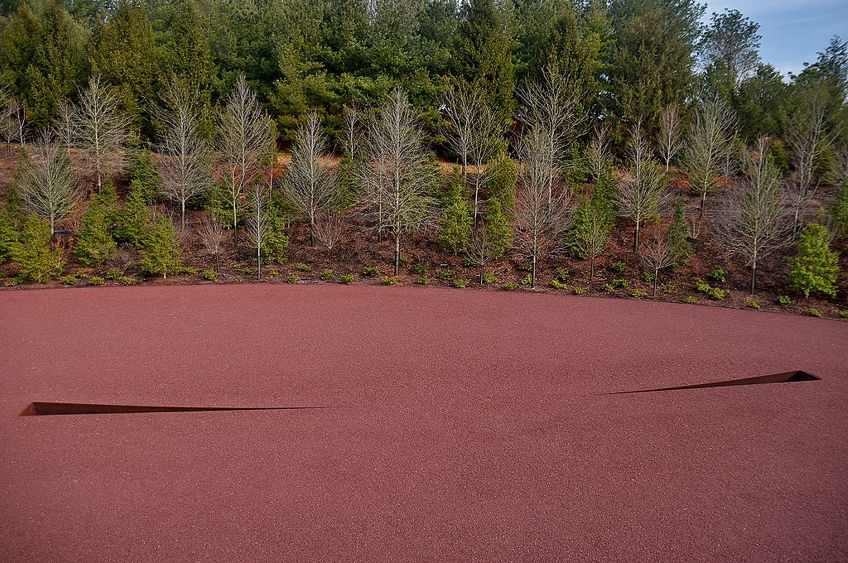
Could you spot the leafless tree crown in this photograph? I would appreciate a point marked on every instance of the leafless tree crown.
(670, 135)
(245, 142)
(641, 194)
(308, 183)
(754, 220)
(47, 184)
(100, 130)
(184, 155)
(707, 147)
(806, 139)
(398, 176)
(542, 208)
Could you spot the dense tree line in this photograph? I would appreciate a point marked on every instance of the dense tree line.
(561, 116)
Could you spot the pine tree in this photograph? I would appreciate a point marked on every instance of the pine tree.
(590, 232)
(457, 219)
(483, 55)
(141, 172)
(161, 251)
(839, 212)
(678, 232)
(503, 176)
(275, 243)
(815, 267)
(34, 253)
(9, 234)
(134, 218)
(498, 230)
(95, 244)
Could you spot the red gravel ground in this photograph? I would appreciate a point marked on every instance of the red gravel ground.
(458, 425)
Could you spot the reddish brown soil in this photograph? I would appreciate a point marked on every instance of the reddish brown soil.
(458, 425)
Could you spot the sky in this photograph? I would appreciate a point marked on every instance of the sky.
(793, 31)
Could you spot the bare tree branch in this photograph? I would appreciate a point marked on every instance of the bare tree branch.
(670, 135)
(100, 130)
(212, 236)
(308, 183)
(245, 141)
(754, 220)
(706, 148)
(398, 176)
(542, 212)
(184, 155)
(47, 184)
(806, 140)
(641, 196)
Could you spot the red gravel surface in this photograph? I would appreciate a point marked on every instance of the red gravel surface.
(458, 425)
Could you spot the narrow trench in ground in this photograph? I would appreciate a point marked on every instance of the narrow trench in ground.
(785, 377)
(41, 408)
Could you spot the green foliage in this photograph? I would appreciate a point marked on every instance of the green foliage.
(327, 275)
(639, 294)
(388, 280)
(301, 267)
(95, 243)
(714, 293)
(275, 243)
(347, 182)
(617, 267)
(718, 275)
(815, 267)
(8, 234)
(209, 275)
(457, 217)
(292, 278)
(509, 286)
(96, 280)
(370, 271)
(483, 55)
(503, 176)
(842, 314)
(133, 220)
(526, 280)
(459, 283)
(752, 303)
(499, 233)
(489, 278)
(692, 300)
(678, 233)
(813, 312)
(143, 176)
(33, 252)
(557, 284)
(347, 279)
(577, 290)
(591, 229)
(70, 279)
(783, 300)
(839, 212)
(422, 280)
(445, 274)
(160, 253)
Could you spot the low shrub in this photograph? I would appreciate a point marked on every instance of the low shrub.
(489, 278)
(388, 280)
(370, 271)
(620, 283)
(639, 294)
(843, 314)
(557, 284)
(96, 280)
(190, 270)
(752, 303)
(327, 275)
(718, 275)
(714, 293)
(301, 267)
(783, 300)
(459, 283)
(560, 274)
(210, 275)
(445, 274)
(617, 267)
(70, 279)
(525, 267)
(648, 277)
(577, 290)
(527, 280)
(691, 299)
(113, 274)
(813, 312)
(422, 280)
(419, 268)
(509, 286)
(608, 288)
(292, 278)
(347, 279)
(128, 280)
